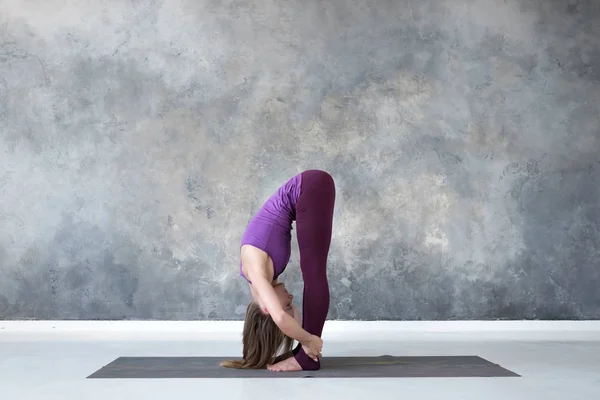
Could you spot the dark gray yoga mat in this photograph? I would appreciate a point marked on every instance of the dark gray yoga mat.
(331, 367)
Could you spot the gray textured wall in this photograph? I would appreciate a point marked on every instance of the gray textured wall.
(137, 140)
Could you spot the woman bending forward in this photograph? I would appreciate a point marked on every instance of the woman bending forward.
(272, 322)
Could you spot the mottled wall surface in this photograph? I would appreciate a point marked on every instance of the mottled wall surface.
(137, 138)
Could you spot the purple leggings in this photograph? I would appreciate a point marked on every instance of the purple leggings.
(314, 220)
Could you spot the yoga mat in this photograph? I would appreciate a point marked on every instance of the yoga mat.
(331, 367)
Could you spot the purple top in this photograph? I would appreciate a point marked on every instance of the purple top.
(270, 229)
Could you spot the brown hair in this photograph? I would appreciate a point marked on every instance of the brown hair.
(262, 341)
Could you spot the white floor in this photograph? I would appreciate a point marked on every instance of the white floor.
(50, 360)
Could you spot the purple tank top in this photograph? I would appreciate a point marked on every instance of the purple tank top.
(271, 228)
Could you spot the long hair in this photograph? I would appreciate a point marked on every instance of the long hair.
(262, 341)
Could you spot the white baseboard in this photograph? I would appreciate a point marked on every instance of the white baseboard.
(330, 326)
(334, 330)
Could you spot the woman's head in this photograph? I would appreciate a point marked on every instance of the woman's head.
(285, 298)
(262, 340)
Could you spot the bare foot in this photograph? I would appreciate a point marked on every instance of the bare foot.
(287, 365)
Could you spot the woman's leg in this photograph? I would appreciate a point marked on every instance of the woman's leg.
(314, 220)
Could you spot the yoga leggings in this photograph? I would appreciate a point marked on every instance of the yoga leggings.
(314, 219)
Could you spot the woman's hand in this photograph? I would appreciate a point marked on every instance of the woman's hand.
(312, 347)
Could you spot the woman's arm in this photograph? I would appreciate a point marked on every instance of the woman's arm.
(288, 324)
(297, 315)
(289, 354)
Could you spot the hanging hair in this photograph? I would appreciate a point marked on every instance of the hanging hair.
(262, 341)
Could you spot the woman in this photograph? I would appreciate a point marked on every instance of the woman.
(272, 322)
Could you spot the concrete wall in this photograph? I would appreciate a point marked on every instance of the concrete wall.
(137, 140)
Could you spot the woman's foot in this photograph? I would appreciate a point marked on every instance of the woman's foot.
(287, 365)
